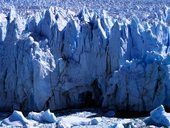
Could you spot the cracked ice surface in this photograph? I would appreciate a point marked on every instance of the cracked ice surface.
(59, 59)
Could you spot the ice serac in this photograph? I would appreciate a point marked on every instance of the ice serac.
(59, 59)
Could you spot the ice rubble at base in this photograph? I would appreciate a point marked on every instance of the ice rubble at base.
(59, 59)
(158, 117)
(34, 119)
(46, 116)
(17, 119)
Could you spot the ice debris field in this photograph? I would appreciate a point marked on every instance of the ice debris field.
(158, 117)
(59, 59)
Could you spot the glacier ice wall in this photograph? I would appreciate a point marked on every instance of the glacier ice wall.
(59, 59)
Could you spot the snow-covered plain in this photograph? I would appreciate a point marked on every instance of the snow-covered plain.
(60, 58)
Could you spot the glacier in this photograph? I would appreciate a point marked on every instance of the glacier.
(59, 59)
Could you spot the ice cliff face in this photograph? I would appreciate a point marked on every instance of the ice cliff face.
(59, 60)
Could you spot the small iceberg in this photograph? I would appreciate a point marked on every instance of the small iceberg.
(44, 116)
(18, 119)
(158, 117)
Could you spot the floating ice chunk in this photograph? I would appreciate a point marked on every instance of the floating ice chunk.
(95, 121)
(44, 116)
(159, 117)
(47, 116)
(17, 119)
(35, 116)
(155, 114)
(110, 114)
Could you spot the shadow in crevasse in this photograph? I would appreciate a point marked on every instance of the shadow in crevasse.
(131, 114)
(120, 114)
(100, 112)
(66, 112)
